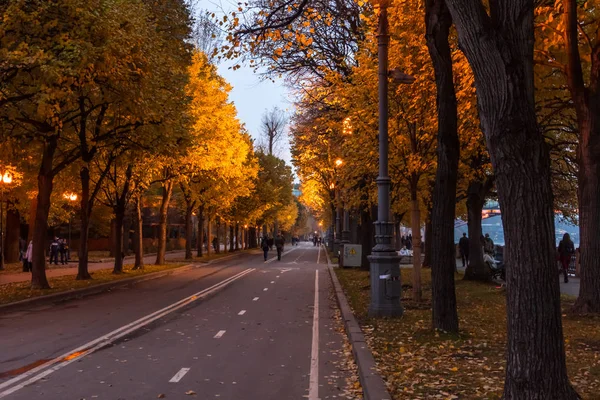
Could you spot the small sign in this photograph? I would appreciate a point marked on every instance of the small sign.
(352, 255)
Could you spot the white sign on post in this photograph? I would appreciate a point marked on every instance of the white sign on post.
(352, 255)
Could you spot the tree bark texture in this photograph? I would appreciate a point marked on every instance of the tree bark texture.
(499, 47)
(84, 218)
(231, 238)
(366, 235)
(253, 240)
(139, 238)
(438, 22)
(415, 219)
(118, 243)
(45, 177)
(218, 236)
(237, 236)
(200, 240)
(587, 107)
(189, 232)
(164, 213)
(11, 238)
(428, 244)
(476, 269)
(208, 236)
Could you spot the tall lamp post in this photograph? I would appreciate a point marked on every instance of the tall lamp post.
(385, 262)
(72, 197)
(336, 242)
(6, 179)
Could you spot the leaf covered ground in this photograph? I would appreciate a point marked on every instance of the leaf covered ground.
(418, 363)
(12, 292)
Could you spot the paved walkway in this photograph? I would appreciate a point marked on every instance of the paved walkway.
(54, 271)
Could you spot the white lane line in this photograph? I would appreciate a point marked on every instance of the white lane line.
(242, 312)
(65, 359)
(265, 289)
(272, 281)
(255, 299)
(179, 375)
(319, 255)
(219, 335)
(283, 254)
(277, 276)
(313, 388)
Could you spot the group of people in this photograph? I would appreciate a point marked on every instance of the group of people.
(266, 243)
(59, 246)
(316, 240)
(406, 241)
(486, 242)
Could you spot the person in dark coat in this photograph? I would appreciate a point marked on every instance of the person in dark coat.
(279, 242)
(566, 249)
(463, 247)
(54, 248)
(265, 246)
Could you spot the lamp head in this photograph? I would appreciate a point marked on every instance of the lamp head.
(7, 177)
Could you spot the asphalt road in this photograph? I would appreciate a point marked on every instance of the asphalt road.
(239, 329)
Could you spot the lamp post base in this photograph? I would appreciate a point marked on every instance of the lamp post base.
(386, 288)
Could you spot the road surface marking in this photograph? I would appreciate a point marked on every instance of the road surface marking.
(283, 254)
(265, 289)
(242, 312)
(284, 270)
(63, 360)
(219, 334)
(255, 299)
(272, 281)
(179, 375)
(319, 255)
(313, 388)
(277, 276)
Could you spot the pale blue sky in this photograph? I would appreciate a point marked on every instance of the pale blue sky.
(251, 95)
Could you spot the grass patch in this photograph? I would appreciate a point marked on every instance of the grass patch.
(418, 363)
(12, 292)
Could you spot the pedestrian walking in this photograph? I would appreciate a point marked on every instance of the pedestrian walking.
(566, 249)
(28, 257)
(265, 246)
(279, 242)
(463, 247)
(54, 248)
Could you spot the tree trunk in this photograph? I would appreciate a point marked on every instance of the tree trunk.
(139, 239)
(443, 255)
(118, 249)
(231, 238)
(163, 215)
(428, 243)
(208, 236)
(218, 236)
(587, 106)
(499, 47)
(253, 239)
(84, 232)
(13, 233)
(189, 232)
(237, 236)
(367, 235)
(416, 246)
(45, 177)
(476, 269)
(200, 240)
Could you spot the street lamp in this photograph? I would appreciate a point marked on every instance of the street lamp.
(6, 180)
(385, 262)
(72, 197)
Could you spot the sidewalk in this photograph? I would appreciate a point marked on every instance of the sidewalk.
(72, 269)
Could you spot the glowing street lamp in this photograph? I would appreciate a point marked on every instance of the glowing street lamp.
(72, 197)
(338, 162)
(7, 179)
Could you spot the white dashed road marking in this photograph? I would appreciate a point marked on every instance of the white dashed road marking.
(255, 299)
(242, 312)
(219, 334)
(179, 375)
(265, 289)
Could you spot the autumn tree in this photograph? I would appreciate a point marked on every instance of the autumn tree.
(503, 68)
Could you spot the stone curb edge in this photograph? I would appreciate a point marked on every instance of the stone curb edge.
(104, 287)
(374, 387)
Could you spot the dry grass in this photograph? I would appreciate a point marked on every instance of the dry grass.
(12, 292)
(418, 363)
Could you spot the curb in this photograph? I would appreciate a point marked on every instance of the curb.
(103, 287)
(374, 387)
